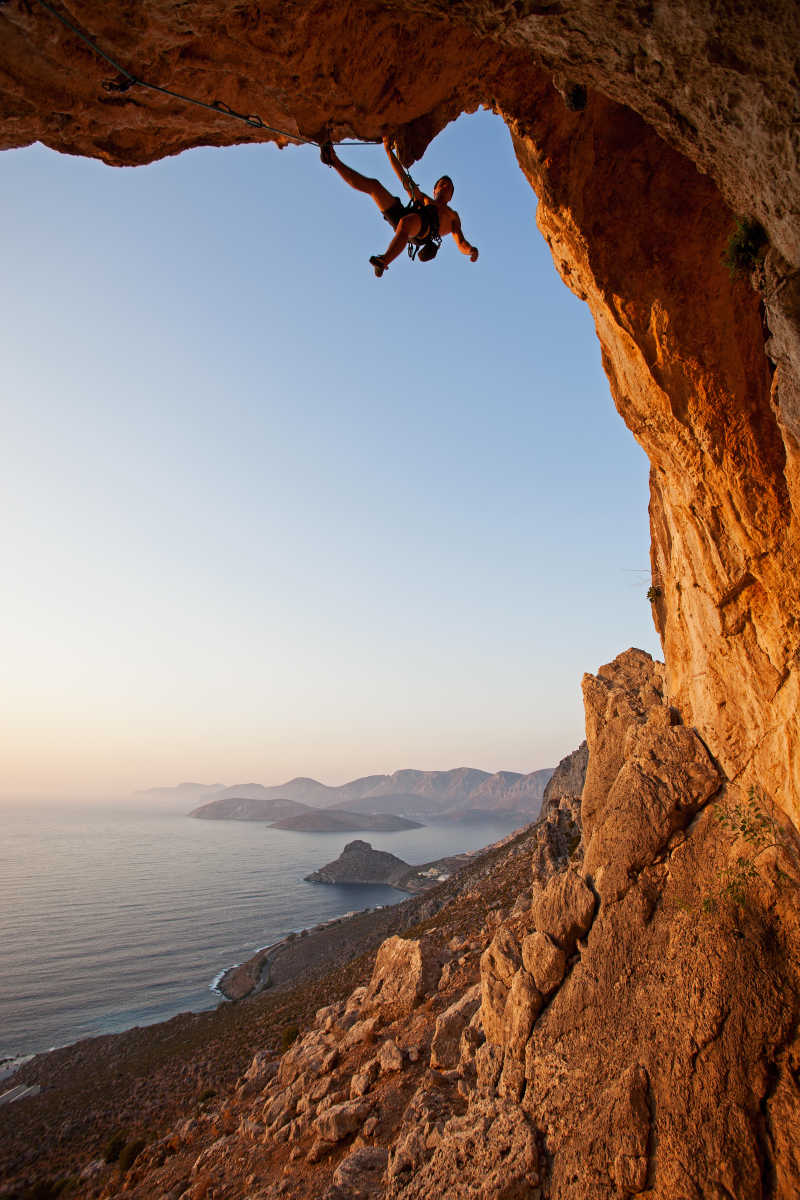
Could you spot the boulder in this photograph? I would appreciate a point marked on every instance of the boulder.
(327, 1017)
(339, 1121)
(360, 1032)
(361, 1082)
(499, 964)
(564, 908)
(544, 960)
(359, 1175)
(406, 970)
(390, 1057)
(280, 1110)
(523, 1005)
(308, 1055)
(446, 1044)
(262, 1071)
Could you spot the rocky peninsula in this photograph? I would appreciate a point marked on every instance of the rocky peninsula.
(359, 863)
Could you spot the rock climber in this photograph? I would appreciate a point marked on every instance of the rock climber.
(423, 222)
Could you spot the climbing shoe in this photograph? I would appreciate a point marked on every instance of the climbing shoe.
(378, 265)
(326, 153)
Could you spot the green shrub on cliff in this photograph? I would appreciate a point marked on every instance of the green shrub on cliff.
(745, 246)
(753, 822)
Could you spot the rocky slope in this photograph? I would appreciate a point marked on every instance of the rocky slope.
(141, 1082)
(511, 1045)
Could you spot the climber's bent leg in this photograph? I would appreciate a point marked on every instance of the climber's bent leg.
(407, 228)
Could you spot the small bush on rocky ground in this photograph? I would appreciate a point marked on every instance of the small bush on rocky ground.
(745, 246)
(129, 1153)
(289, 1035)
(114, 1146)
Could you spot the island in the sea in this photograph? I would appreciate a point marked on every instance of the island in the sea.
(359, 863)
(281, 813)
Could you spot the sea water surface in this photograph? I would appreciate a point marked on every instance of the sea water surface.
(112, 917)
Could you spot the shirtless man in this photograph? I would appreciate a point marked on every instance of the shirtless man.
(429, 216)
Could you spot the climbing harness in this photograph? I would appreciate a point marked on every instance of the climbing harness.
(126, 80)
(425, 246)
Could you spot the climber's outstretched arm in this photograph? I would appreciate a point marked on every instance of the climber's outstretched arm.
(464, 246)
(400, 171)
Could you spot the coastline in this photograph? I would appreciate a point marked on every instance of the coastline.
(10, 1065)
(295, 956)
(145, 1079)
(240, 980)
(254, 975)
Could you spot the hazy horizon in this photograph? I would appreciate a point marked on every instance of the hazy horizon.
(198, 784)
(269, 516)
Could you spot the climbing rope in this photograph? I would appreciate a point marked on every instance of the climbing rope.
(129, 80)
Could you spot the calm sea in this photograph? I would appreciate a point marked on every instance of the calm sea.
(111, 917)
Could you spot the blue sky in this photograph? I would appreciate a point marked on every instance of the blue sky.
(267, 515)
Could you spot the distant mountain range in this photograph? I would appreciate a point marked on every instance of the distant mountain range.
(455, 794)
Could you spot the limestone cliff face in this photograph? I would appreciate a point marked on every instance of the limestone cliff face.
(683, 349)
(686, 1041)
(691, 114)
